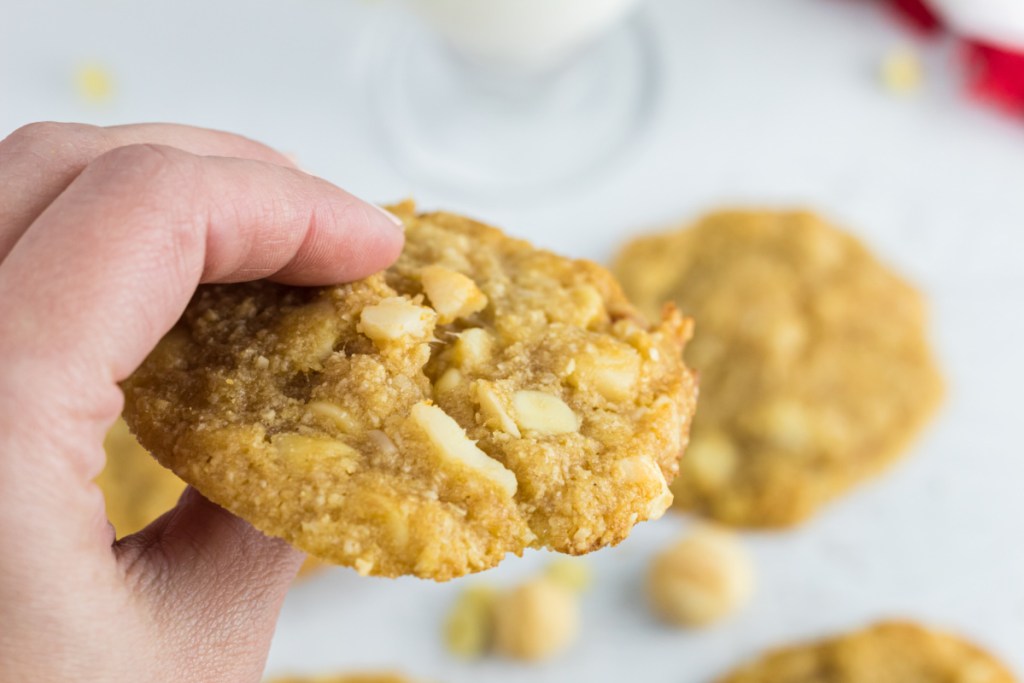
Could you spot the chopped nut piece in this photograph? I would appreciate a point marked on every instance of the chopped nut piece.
(612, 371)
(334, 415)
(394, 318)
(644, 471)
(492, 407)
(535, 621)
(451, 443)
(589, 305)
(382, 441)
(470, 625)
(389, 513)
(544, 413)
(472, 348)
(313, 451)
(700, 580)
(451, 293)
(448, 381)
(571, 573)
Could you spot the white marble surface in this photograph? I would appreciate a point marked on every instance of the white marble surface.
(762, 102)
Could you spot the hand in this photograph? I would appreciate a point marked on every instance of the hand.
(104, 235)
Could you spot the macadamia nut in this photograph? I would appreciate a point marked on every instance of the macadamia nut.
(700, 580)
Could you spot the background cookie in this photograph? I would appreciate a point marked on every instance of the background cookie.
(893, 652)
(479, 397)
(137, 488)
(815, 371)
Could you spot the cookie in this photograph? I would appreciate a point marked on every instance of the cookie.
(814, 364)
(892, 652)
(478, 398)
(137, 489)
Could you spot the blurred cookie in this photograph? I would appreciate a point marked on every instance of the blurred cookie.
(479, 397)
(814, 367)
(136, 487)
(893, 652)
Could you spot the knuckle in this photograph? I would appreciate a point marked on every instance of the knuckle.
(163, 183)
(39, 133)
(155, 175)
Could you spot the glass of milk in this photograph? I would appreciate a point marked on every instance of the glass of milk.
(506, 98)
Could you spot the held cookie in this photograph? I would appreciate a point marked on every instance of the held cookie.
(815, 370)
(477, 398)
(892, 652)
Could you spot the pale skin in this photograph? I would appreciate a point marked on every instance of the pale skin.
(104, 235)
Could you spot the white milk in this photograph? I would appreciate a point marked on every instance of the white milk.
(521, 34)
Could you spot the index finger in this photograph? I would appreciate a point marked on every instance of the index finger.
(39, 161)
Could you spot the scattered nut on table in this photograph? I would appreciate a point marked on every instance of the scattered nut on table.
(700, 580)
(536, 620)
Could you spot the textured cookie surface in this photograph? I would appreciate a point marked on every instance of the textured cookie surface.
(137, 489)
(479, 397)
(892, 652)
(814, 367)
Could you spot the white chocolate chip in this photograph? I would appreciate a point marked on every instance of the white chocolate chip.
(544, 413)
(492, 407)
(451, 293)
(395, 318)
(450, 442)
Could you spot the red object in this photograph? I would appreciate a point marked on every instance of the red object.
(996, 75)
(919, 15)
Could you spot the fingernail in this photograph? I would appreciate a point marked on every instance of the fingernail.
(395, 220)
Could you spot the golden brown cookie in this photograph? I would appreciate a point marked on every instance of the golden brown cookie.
(892, 652)
(814, 367)
(479, 397)
(136, 487)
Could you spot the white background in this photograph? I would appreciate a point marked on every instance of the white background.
(769, 103)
